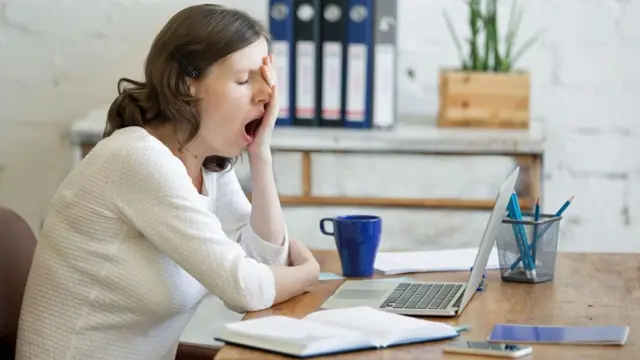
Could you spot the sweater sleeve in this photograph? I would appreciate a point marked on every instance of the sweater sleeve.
(234, 211)
(153, 192)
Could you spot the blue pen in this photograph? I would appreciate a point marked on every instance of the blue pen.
(519, 234)
(544, 230)
(536, 218)
(525, 242)
(527, 262)
(558, 213)
(564, 206)
(513, 214)
(523, 233)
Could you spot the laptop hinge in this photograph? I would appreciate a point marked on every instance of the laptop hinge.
(456, 304)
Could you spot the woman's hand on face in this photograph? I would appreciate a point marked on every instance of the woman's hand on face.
(262, 143)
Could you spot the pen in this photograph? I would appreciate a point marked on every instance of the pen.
(564, 206)
(536, 218)
(558, 213)
(520, 236)
(461, 328)
(523, 236)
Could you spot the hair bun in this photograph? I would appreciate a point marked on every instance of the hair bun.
(128, 109)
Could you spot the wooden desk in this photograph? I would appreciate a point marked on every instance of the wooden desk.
(589, 289)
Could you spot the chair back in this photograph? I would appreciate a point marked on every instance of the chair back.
(17, 244)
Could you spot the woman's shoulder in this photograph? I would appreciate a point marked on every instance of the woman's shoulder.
(132, 145)
(129, 136)
(134, 163)
(131, 154)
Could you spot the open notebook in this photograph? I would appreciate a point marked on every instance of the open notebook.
(333, 331)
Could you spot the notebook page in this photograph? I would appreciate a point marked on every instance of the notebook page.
(381, 327)
(289, 329)
(399, 262)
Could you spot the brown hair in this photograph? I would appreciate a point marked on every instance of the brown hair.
(187, 46)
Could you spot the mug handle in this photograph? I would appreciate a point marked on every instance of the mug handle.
(323, 229)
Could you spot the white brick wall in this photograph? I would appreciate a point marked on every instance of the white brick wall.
(59, 59)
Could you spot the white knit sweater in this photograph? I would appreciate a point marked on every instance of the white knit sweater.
(130, 248)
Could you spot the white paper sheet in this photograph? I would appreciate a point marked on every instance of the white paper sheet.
(400, 262)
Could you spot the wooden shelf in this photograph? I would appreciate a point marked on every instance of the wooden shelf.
(530, 168)
(530, 162)
(310, 200)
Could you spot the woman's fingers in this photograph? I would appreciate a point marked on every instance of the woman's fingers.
(270, 75)
(267, 75)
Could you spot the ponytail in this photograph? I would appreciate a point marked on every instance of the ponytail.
(139, 104)
(130, 108)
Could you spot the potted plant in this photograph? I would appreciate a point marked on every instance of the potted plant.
(487, 90)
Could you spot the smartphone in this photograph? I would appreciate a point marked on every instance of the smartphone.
(488, 349)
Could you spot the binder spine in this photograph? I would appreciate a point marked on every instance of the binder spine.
(307, 62)
(360, 57)
(281, 27)
(334, 25)
(385, 67)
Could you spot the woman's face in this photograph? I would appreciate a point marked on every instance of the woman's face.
(233, 93)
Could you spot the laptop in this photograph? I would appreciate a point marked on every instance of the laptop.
(427, 298)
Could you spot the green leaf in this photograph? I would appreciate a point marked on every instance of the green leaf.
(491, 35)
(515, 18)
(496, 40)
(474, 63)
(487, 42)
(475, 17)
(527, 44)
(493, 55)
(456, 39)
(505, 65)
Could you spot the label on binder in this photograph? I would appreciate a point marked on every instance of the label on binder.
(383, 108)
(305, 85)
(280, 51)
(356, 82)
(331, 80)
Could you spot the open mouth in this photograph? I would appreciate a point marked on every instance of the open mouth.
(251, 128)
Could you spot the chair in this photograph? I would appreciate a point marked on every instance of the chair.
(194, 352)
(17, 244)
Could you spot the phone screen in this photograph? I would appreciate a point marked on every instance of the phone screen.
(487, 346)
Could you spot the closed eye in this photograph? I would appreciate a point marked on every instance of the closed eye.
(247, 75)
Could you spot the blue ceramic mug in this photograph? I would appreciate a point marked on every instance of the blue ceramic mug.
(357, 239)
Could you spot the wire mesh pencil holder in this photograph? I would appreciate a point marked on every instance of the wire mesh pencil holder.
(527, 248)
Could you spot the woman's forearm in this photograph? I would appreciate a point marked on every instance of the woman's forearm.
(292, 281)
(266, 219)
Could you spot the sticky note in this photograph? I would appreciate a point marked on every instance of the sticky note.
(329, 276)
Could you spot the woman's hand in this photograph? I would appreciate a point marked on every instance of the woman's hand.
(262, 143)
(300, 276)
(301, 255)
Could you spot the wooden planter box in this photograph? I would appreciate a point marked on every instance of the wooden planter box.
(479, 99)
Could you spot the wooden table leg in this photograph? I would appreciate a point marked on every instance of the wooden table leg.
(306, 174)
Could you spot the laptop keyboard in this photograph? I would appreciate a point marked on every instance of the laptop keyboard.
(421, 296)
